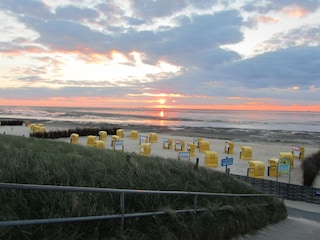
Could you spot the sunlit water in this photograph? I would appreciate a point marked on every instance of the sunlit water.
(175, 118)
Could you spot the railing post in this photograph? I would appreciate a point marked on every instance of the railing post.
(122, 210)
(195, 202)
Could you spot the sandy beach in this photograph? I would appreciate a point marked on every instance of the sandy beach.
(262, 151)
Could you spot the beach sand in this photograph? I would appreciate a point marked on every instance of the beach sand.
(261, 150)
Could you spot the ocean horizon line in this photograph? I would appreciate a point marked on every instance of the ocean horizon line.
(164, 108)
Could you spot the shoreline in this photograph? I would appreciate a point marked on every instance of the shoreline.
(230, 134)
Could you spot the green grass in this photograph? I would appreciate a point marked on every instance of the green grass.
(39, 161)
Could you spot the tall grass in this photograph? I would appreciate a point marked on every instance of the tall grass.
(310, 167)
(39, 161)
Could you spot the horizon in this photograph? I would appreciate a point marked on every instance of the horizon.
(285, 109)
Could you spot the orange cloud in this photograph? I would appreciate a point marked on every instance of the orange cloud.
(98, 102)
(245, 98)
(118, 57)
(81, 52)
(255, 106)
(22, 51)
(265, 19)
(295, 11)
(176, 95)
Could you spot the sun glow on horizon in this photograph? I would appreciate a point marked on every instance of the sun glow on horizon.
(100, 102)
(162, 101)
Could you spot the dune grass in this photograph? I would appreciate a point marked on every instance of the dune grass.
(40, 161)
(310, 168)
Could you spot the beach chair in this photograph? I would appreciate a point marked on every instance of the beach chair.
(102, 135)
(256, 169)
(145, 149)
(211, 159)
(134, 135)
(74, 138)
(246, 153)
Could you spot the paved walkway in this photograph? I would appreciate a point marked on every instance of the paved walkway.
(303, 222)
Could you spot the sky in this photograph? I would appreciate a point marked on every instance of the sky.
(223, 54)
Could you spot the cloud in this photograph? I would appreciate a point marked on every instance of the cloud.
(72, 13)
(266, 19)
(280, 69)
(62, 31)
(295, 11)
(303, 36)
(151, 9)
(68, 50)
(27, 8)
(191, 42)
(287, 6)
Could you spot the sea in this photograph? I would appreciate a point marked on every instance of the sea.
(172, 118)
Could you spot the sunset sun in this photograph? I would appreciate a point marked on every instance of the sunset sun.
(162, 101)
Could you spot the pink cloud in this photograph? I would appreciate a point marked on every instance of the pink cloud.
(295, 11)
(266, 19)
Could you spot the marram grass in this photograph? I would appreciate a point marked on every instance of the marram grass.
(39, 161)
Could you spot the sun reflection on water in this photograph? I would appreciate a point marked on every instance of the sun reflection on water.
(161, 113)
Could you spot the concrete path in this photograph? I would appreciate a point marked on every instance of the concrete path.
(303, 222)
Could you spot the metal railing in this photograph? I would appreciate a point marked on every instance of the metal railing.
(122, 215)
(283, 190)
